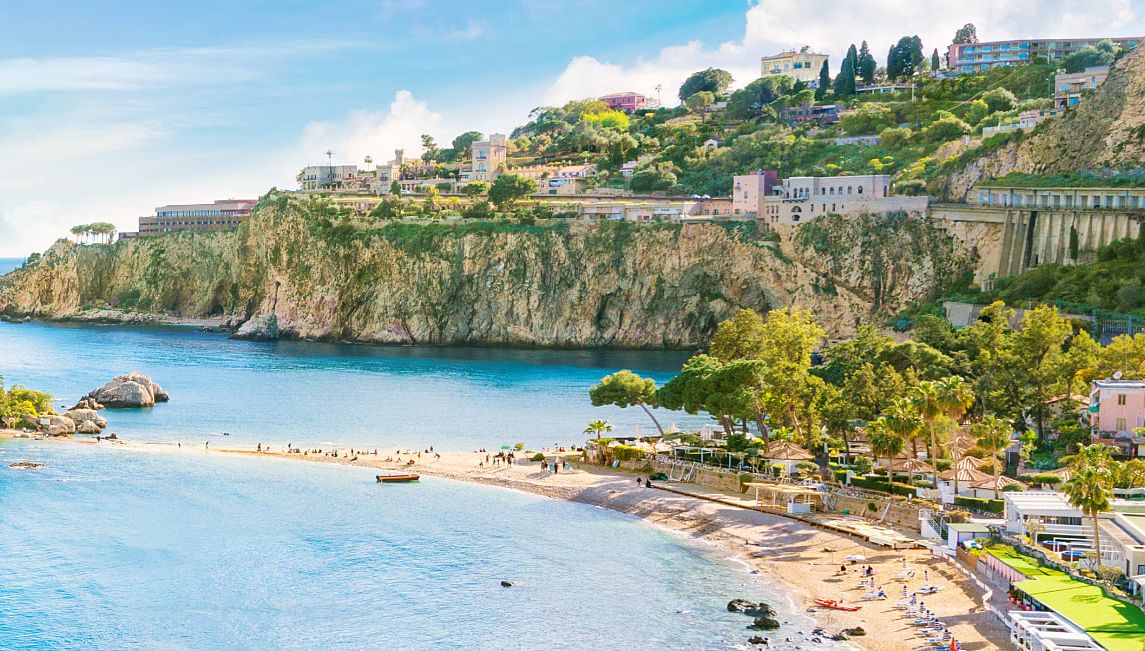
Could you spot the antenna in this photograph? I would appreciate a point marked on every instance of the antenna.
(329, 156)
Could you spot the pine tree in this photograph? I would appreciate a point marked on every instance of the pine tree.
(893, 64)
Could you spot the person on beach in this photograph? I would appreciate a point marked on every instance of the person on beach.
(206, 445)
(259, 448)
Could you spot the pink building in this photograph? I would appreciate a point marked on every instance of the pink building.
(748, 191)
(630, 102)
(1116, 407)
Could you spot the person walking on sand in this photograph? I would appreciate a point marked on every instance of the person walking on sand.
(206, 445)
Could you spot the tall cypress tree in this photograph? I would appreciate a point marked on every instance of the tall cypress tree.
(916, 55)
(893, 71)
(935, 62)
(866, 65)
(824, 80)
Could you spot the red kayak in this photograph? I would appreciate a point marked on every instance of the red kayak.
(835, 605)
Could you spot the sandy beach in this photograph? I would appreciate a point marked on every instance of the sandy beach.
(803, 558)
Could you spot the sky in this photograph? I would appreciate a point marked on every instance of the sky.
(109, 109)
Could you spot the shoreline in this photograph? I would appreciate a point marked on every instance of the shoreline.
(801, 559)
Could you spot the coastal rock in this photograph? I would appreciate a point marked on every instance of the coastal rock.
(506, 584)
(82, 417)
(757, 639)
(26, 465)
(764, 624)
(263, 327)
(87, 427)
(750, 608)
(132, 390)
(59, 425)
(88, 403)
(855, 632)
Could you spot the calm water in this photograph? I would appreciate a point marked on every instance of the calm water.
(8, 264)
(310, 393)
(108, 548)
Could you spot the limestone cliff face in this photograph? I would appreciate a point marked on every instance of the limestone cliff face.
(1105, 131)
(573, 284)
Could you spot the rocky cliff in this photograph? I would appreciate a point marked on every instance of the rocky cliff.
(1105, 132)
(327, 275)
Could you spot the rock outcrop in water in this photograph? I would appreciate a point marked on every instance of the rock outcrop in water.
(569, 284)
(263, 327)
(132, 390)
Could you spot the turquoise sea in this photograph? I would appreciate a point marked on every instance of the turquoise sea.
(107, 548)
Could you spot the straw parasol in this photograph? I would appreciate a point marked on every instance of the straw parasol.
(968, 475)
(911, 466)
(968, 463)
(1064, 473)
(785, 451)
(999, 483)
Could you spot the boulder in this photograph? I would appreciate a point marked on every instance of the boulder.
(26, 465)
(87, 427)
(750, 608)
(88, 403)
(82, 416)
(132, 390)
(59, 425)
(764, 624)
(262, 327)
(855, 632)
(757, 639)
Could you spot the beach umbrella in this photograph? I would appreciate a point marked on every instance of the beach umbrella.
(506, 447)
(855, 558)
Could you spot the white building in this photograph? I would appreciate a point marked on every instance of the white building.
(489, 157)
(748, 191)
(803, 198)
(1058, 518)
(1047, 631)
(803, 65)
(325, 177)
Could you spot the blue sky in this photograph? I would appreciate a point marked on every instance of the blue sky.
(108, 109)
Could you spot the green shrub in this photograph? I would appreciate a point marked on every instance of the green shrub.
(807, 466)
(881, 485)
(981, 504)
(518, 446)
(627, 452)
(1041, 478)
(538, 457)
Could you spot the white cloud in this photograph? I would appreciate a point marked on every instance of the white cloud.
(472, 30)
(774, 25)
(373, 133)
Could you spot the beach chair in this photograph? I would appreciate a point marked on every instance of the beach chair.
(928, 589)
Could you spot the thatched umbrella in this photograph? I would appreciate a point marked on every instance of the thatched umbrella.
(910, 467)
(786, 452)
(997, 484)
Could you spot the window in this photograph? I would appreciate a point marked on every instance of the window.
(1121, 399)
(1120, 424)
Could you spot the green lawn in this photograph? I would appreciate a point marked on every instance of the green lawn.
(1114, 624)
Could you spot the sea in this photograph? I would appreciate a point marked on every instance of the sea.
(165, 547)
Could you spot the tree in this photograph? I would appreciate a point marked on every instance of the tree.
(598, 427)
(626, 389)
(966, 34)
(824, 81)
(430, 150)
(954, 396)
(992, 433)
(81, 231)
(1090, 487)
(902, 419)
(848, 73)
(978, 111)
(617, 120)
(927, 402)
(651, 180)
(692, 390)
(396, 189)
(1000, 99)
(883, 442)
(475, 188)
(1087, 57)
(935, 62)
(893, 71)
(1073, 243)
(944, 129)
(463, 144)
(713, 80)
(866, 64)
(697, 102)
(749, 102)
(507, 189)
(1037, 353)
(740, 337)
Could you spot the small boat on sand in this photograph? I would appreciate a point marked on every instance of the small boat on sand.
(397, 479)
(835, 605)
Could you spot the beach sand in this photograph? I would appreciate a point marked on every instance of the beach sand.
(801, 557)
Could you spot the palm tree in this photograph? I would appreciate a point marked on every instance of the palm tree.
(1091, 487)
(902, 420)
(597, 426)
(883, 442)
(992, 433)
(955, 396)
(926, 401)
